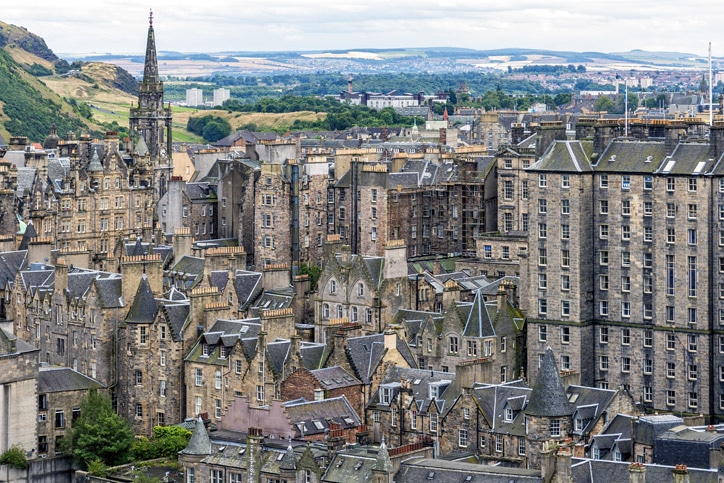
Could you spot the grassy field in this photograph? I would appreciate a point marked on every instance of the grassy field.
(110, 104)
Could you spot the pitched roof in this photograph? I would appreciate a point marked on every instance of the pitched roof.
(61, 379)
(144, 307)
(314, 417)
(334, 377)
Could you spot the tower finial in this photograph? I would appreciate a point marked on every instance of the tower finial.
(150, 17)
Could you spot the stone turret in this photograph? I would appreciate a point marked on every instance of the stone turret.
(383, 469)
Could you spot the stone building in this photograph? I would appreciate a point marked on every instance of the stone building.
(363, 290)
(611, 235)
(60, 393)
(18, 402)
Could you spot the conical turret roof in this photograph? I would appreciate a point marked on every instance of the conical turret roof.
(382, 462)
(144, 307)
(289, 461)
(548, 397)
(199, 444)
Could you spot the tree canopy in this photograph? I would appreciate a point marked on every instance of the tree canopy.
(99, 433)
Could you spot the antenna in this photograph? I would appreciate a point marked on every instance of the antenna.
(711, 93)
(150, 17)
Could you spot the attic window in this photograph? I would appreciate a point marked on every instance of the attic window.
(573, 397)
(339, 463)
(244, 329)
(281, 455)
(469, 478)
(318, 424)
(431, 475)
(417, 381)
(358, 465)
(349, 421)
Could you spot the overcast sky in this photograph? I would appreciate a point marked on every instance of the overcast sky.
(113, 26)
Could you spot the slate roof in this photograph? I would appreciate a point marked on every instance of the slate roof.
(623, 156)
(604, 471)
(312, 354)
(442, 471)
(351, 465)
(110, 291)
(192, 267)
(478, 323)
(60, 379)
(21, 347)
(334, 378)
(419, 382)
(648, 428)
(313, 417)
(144, 307)
(365, 354)
(248, 286)
(492, 399)
(590, 404)
(26, 178)
(10, 264)
(199, 444)
(219, 279)
(548, 398)
(226, 331)
(176, 314)
(563, 156)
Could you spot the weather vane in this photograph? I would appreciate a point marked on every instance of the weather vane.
(150, 16)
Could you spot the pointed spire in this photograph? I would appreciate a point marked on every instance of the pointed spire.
(383, 462)
(444, 115)
(289, 461)
(548, 397)
(199, 444)
(150, 69)
(144, 307)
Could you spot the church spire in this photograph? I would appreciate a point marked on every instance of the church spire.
(150, 69)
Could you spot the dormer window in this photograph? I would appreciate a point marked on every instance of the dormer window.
(222, 352)
(332, 286)
(205, 350)
(508, 414)
(385, 395)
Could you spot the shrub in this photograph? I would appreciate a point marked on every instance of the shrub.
(14, 457)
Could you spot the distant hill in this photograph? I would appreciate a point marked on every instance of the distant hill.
(38, 89)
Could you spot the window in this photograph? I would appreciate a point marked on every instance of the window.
(691, 278)
(260, 393)
(217, 380)
(670, 370)
(453, 344)
(565, 308)
(647, 283)
(693, 372)
(542, 182)
(139, 377)
(555, 428)
(503, 344)
(670, 397)
(524, 190)
(603, 363)
(603, 308)
(625, 182)
(648, 260)
(566, 363)
(625, 283)
(139, 410)
(542, 333)
(60, 419)
(692, 210)
(648, 208)
(542, 206)
(472, 348)
(626, 208)
(542, 230)
(508, 190)
(691, 342)
(565, 282)
(648, 365)
(671, 235)
(603, 207)
(625, 364)
(670, 275)
(565, 335)
(565, 207)
(142, 335)
(162, 358)
(648, 234)
(692, 184)
(413, 419)
(603, 257)
(542, 281)
(199, 376)
(603, 181)
(625, 232)
(565, 232)
(466, 413)
(542, 306)
(521, 446)
(565, 258)
(433, 423)
(603, 335)
(670, 341)
(542, 256)
(603, 282)
(463, 438)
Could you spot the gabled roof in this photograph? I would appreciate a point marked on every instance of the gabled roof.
(492, 399)
(144, 308)
(312, 354)
(10, 264)
(248, 286)
(365, 354)
(478, 323)
(623, 156)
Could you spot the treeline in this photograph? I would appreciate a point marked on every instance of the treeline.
(211, 128)
(340, 115)
(550, 69)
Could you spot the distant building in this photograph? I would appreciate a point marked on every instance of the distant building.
(195, 97)
(220, 95)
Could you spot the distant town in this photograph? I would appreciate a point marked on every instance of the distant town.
(489, 295)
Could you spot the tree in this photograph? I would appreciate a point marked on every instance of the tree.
(603, 103)
(99, 433)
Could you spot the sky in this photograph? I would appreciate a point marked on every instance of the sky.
(119, 27)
